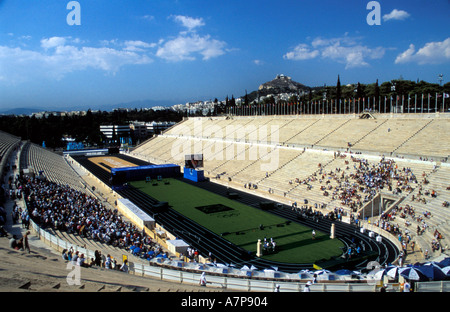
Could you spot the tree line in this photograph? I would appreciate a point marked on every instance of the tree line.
(83, 128)
(397, 87)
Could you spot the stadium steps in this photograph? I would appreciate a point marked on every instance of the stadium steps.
(284, 126)
(331, 132)
(83, 242)
(214, 170)
(312, 174)
(257, 161)
(369, 133)
(412, 136)
(144, 143)
(280, 167)
(423, 242)
(69, 238)
(226, 162)
(92, 287)
(299, 132)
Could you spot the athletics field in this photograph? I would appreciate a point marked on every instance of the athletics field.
(241, 224)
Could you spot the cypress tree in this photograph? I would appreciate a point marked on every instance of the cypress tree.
(377, 97)
(338, 92)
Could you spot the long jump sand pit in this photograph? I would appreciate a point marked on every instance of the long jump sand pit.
(108, 162)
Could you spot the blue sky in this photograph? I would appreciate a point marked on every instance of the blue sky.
(135, 50)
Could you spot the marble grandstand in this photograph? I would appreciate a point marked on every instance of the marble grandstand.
(41, 161)
(292, 158)
(8, 143)
(296, 158)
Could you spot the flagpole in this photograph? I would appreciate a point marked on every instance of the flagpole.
(396, 103)
(415, 103)
(436, 110)
(422, 104)
(403, 103)
(443, 102)
(409, 103)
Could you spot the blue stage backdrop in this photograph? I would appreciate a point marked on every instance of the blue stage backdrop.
(123, 175)
(193, 175)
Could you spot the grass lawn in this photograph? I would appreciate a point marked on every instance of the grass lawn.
(242, 223)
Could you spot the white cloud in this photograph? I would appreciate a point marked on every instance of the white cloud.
(301, 52)
(189, 22)
(406, 56)
(344, 40)
(48, 43)
(430, 53)
(138, 45)
(58, 58)
(189, 43)
(396, 15)
(352, 56)
(148, 17)
(184, 47)
(346, 50)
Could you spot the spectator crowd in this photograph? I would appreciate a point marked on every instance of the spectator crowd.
(62, 208)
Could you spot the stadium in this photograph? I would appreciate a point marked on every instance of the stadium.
(257, 202)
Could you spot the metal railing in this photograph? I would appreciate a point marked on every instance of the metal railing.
(246, 284)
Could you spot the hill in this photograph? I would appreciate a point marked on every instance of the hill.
(281, 84)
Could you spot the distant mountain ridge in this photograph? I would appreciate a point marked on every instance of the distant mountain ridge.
(21, 111)
(105, 107)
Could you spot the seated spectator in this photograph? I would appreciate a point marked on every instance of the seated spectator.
(124, 267)
(66, 209)
(108, 262)
(64, 255)
(13, 243)
(81, 261)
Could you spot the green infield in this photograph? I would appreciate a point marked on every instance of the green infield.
(243, 225)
